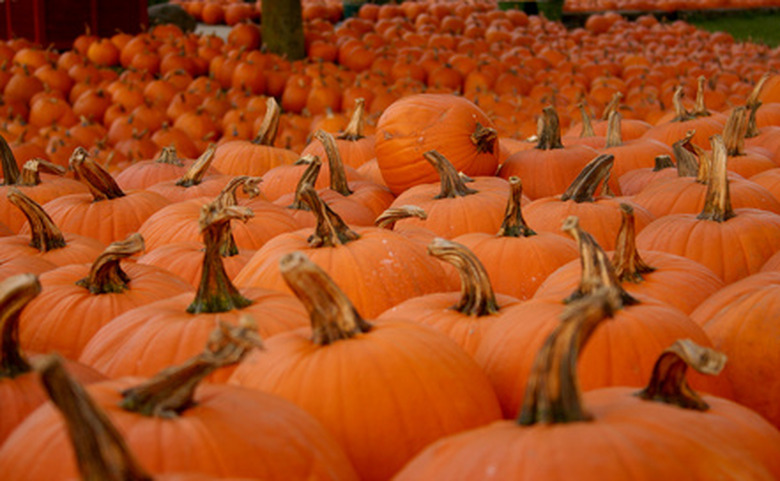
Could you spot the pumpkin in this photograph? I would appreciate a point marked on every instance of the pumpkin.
(416, 124)
(338, 369)
(634, 181)
(167, 166)
(699, 120)
(198, 180)
(353, 146)
(631, 154)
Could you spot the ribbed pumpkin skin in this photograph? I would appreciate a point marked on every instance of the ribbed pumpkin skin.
(547, 172)
(228, 432)
(629, 439)
(242, 157)
(185, 259)
(384, 394)
(49, 189)
(418, 123)
(636, 336)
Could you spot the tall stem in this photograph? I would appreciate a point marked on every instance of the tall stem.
(338, 176)
(270, 126)
(584, 186)
(45, 235)
(100, 183)
(15, 293)
(514, 224)
(717, 203)
(614, 134)
(196, 172)
(550, 132)
(629, 266)
(734, 132)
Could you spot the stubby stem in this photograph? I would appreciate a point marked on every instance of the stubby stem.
(550, 131)
(168, 156)
(584, 186)
(553, 394)
(717, 203)
(101, 452)
(668, 383)
(389, 217)
(662, 162)
(45, 235)
(476, 293)
(688, 164)
(100, 183)
(734, 132)
(484, 139)
(216, 293)
(331, 230)
(171, 391)
(452, 184)
(629, 266)
(268, 129)
(514, 224)
(106, 275)
(198, 169)
(31, 171)
(333, 317)
(15, 293)
(8, 163)
(338, 177)
(354, 129)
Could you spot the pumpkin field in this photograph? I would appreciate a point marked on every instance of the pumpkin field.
(454, 242)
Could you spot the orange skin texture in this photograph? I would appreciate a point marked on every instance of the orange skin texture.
(600, 218)
(354, 153)
(78, 250)
(283, 180)
(770, 180)
(185, 259)
(50, 188)
(741, 320)
(517, 266)
(418, 123)
(733, 249)
(242, 157)
(635, 154)
(547, 172)
(210, 186)
(64, 316)
(635, 181)
(179, 222)
(409, 384)
(228, 432)
(636, 336)
(628, 439)
(106, 220)
(350, 210)
(670, 132)
(677, 281)
(122, 347)
(452, 217)
(376, 271)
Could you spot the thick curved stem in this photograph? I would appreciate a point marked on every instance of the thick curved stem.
(354, 129)
(331, 230)
(681, 114)
(612, 106)
(307, 180)
(614, 133)
(734, 132)
(628, 264)
(752, 103)
(45, 235)
(688, 164)
(452, 184)
(270, 126)
(587, 124)
(216, 293)
(106, 275)
(169, 393)
(584, 186)
(332, 315)
(699, 109)
(550, 131)
(484, 139)
(668, 383)
(31, 171)
(717, 203)
(338, 176)
(15, 293)
(389, 217)
(476, 293)
(100, 183)
(553, 394)
(514, 224)
(196, 172)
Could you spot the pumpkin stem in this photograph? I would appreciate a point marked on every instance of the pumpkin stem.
(663, 161)
(550, 131)
(553, 394)
(226, 198)
(354, 129)
(484, 138)
(688, 164)
(612, 106)
(196, 172)
(101, 452)
(752, 103)
(168, 156)
(216, 293)
(452, 184)
(331, 230)
(170, 392)
(45, 235)
(8, 163)
(31, 171)
(307, 180)
(15, 292)
(332, 315)
(106, 275)
(587, 125)
(668, 383)
(629, 266)
(268, 129)
(338, 177)
(584, 186)
(717, 203)
(614, 134)
(699, 109)
(681, 114)
(389, 217)
(514, 224)
(597, 270)
(734, 132)
(100, 183)
(476, 293)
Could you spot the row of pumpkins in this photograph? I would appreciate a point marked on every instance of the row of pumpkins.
(431, 301)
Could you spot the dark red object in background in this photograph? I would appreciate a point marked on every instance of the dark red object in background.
(59, 22)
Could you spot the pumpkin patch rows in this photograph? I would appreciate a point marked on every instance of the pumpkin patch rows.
(455, 242)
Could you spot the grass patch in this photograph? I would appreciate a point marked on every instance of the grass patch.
(757, 26)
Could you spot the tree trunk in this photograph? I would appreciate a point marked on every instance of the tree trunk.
(283, 28)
